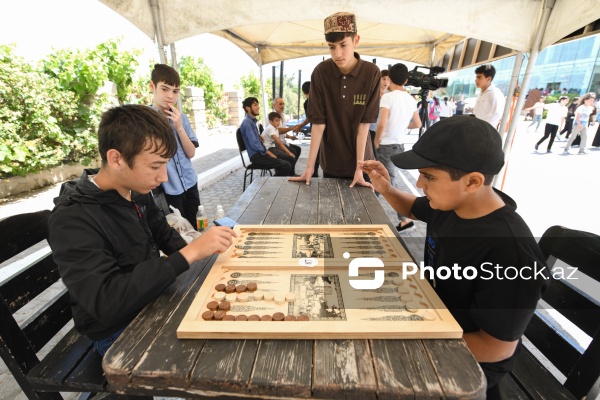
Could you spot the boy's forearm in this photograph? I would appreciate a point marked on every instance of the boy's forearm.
(361, 141)
(315, 143)
(186, 144)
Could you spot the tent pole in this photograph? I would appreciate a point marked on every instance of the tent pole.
(176, 68)
(511, 89)
(533, 54)
(263, 94)
(158, 30)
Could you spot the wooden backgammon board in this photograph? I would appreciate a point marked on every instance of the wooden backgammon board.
(293, 282)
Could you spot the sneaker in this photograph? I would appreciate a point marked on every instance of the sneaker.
(548, 151)
(406, 228)
(566, 152)
(536, 147)
(582, 153)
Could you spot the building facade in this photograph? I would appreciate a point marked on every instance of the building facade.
(574, 65)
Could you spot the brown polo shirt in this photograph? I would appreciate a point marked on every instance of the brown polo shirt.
(342, 102)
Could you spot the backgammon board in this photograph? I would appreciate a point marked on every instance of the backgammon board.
(294, 282)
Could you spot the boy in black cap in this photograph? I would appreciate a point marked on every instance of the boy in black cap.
(471, 224)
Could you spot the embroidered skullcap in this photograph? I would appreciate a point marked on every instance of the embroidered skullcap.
(340, 22)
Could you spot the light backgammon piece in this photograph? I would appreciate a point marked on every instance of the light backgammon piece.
(220, 296)
(279, 299)
(258, 295)
(231, 297)
(290, 297)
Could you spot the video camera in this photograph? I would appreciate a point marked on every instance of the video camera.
(426, 81)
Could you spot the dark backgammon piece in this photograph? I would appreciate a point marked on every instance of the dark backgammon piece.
(289, 318)
(225, 306)
(208, 315)
(220, 287)
(252, 286)
(230, 288)
(254, 317)
(241, 288)
(212, 305)
(241, 317)
(266, 318)
(278, 316)
(219, 315)
(229, 318)
(302, 318)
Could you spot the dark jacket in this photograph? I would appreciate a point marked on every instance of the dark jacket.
(106, 249)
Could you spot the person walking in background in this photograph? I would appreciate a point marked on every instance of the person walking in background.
(460, 106)
(582, 119)
(490, 102)
(538, 112)
(181, 190)
(452, 105)
(557, 113)
(445, 109)
(569, 119)
(434, 110)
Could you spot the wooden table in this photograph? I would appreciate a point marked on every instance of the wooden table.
(149, 359)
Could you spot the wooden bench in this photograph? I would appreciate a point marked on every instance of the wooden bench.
(72, 365)
(574, 300)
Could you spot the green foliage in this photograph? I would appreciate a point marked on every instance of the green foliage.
(250, 85)
(194, 72)
(49, 115)
(36, 118)
(120, 66)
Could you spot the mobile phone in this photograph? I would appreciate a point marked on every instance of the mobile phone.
(225, 221)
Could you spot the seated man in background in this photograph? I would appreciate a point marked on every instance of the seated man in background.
(257, 153)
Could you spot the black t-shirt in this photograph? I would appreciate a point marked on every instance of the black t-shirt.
(489, 294)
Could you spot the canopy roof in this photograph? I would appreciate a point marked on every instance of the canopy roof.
(418, 31)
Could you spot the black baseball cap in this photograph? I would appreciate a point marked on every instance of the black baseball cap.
(463, 142)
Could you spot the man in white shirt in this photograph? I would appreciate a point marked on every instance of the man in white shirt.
(490, 103)
(278, 106)
(397, 113)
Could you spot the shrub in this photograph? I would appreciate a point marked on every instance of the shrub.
(194, 72)
(37, 119)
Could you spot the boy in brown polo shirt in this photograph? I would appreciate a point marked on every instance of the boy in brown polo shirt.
(344, 99)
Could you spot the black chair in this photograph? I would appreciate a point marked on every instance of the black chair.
(577, 300)
(71, 364)
(250, 168)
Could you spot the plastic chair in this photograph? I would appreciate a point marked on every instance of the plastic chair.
(250, 168)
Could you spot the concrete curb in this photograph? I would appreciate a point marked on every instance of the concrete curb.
(20, 184)
(219, 172)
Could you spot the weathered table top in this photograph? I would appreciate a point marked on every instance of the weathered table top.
(149, 359)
